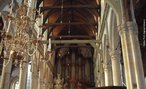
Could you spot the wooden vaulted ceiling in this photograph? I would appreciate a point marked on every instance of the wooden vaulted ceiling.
(70, 17)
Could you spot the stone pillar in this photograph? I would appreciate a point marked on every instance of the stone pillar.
(115, 58)
(100, 71)
(107, 64)
(41, 76)
(132, 56)
(46, 79)
(52, 60)
(34, 81)
(127, 58)
(51, 81)
(108, 75)
(23, 74)
(102, 79)
(130, 47)
(136, 53)
(6, 72)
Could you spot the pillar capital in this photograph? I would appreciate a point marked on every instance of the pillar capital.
(132, 26)
(107, 66)
(126, 27)
(115, 54)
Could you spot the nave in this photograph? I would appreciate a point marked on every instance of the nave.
(72, 44)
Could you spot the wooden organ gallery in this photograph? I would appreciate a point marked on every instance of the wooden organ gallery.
(72, 44)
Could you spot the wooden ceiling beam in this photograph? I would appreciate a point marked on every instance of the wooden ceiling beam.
(45, 26)
(70, 6)
(72, 46)
(71, 36)
(72, 23)
(69, 41)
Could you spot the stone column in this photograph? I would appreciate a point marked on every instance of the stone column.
(108, 75)
(115, 59)
(107, 64)
(130, 47)
(102, 79)
(100, 71)
(136, 53)
(49, 80)
(46, 79)
(6, 72)
(23, 74)
(52, 60)
(127, 58)
(115, 52)
(41, 76)
(34, 81)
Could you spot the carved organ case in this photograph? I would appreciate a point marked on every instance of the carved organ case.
(74, 67)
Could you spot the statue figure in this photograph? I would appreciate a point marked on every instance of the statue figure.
(58, 82)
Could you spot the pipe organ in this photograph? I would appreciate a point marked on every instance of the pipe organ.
(74, 69)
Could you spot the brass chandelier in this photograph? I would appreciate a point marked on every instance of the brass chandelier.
(18, 40)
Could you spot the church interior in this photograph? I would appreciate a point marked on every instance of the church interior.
(72, 44)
